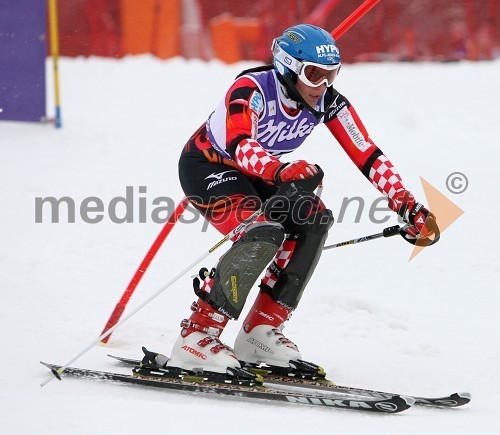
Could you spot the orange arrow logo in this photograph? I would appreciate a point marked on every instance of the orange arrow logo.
(445, 210)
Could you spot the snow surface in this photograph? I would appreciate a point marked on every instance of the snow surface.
(370, 317)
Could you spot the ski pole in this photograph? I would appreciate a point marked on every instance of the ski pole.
(230, 235)
(141, 270)
(122, 303)
(387, 232)
(289, 190)
(336, 33)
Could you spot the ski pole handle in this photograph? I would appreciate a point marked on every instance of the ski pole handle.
(387, 232)
(391, 231)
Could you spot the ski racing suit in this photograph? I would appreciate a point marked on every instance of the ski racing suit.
(222, 169)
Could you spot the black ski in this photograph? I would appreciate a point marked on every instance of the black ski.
(323, 384)
(449, 401)
(390, 405)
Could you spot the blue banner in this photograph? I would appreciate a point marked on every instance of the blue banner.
(23, 49)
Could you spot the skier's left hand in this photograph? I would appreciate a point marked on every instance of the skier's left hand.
(298, 170)
(421, 228)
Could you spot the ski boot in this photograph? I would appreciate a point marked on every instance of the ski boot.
(263, 349)
(261, 340)
(156, 365)
(198, 346)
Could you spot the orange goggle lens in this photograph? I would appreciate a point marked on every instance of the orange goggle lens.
(313, 75)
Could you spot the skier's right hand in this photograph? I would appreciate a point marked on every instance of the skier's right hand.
(298, 170)
(421, 228)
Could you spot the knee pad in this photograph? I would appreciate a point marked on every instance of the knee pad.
(240, 267)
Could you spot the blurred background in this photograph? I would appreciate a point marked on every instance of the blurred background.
(396, 30)
(137, 77)
(226, 30)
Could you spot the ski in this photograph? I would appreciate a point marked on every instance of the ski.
(321, 383)
(449, 401)
(389, 405)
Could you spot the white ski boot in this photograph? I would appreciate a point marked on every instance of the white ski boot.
(198, 346)
(260, 339)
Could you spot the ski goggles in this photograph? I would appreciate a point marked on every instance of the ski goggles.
(310, 73)
(314, 74)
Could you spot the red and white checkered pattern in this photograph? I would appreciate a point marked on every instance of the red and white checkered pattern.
(385, 177)
(281, 260)
(252, 157)
(206, 284)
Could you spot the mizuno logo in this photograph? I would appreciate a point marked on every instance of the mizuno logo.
(218, 178)
(219, 175)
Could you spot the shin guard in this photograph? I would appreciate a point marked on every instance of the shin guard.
(240, 267)
(293, 278)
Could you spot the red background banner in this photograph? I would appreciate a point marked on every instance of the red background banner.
(395, 30)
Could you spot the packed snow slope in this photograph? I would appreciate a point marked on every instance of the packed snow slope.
(369, 316)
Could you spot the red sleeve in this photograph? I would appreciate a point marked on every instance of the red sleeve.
(352, 135)
(244, 104)
(242, 114)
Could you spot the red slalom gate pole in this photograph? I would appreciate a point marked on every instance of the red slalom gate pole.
(320, 12)
(345, 25)
(122, 303)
